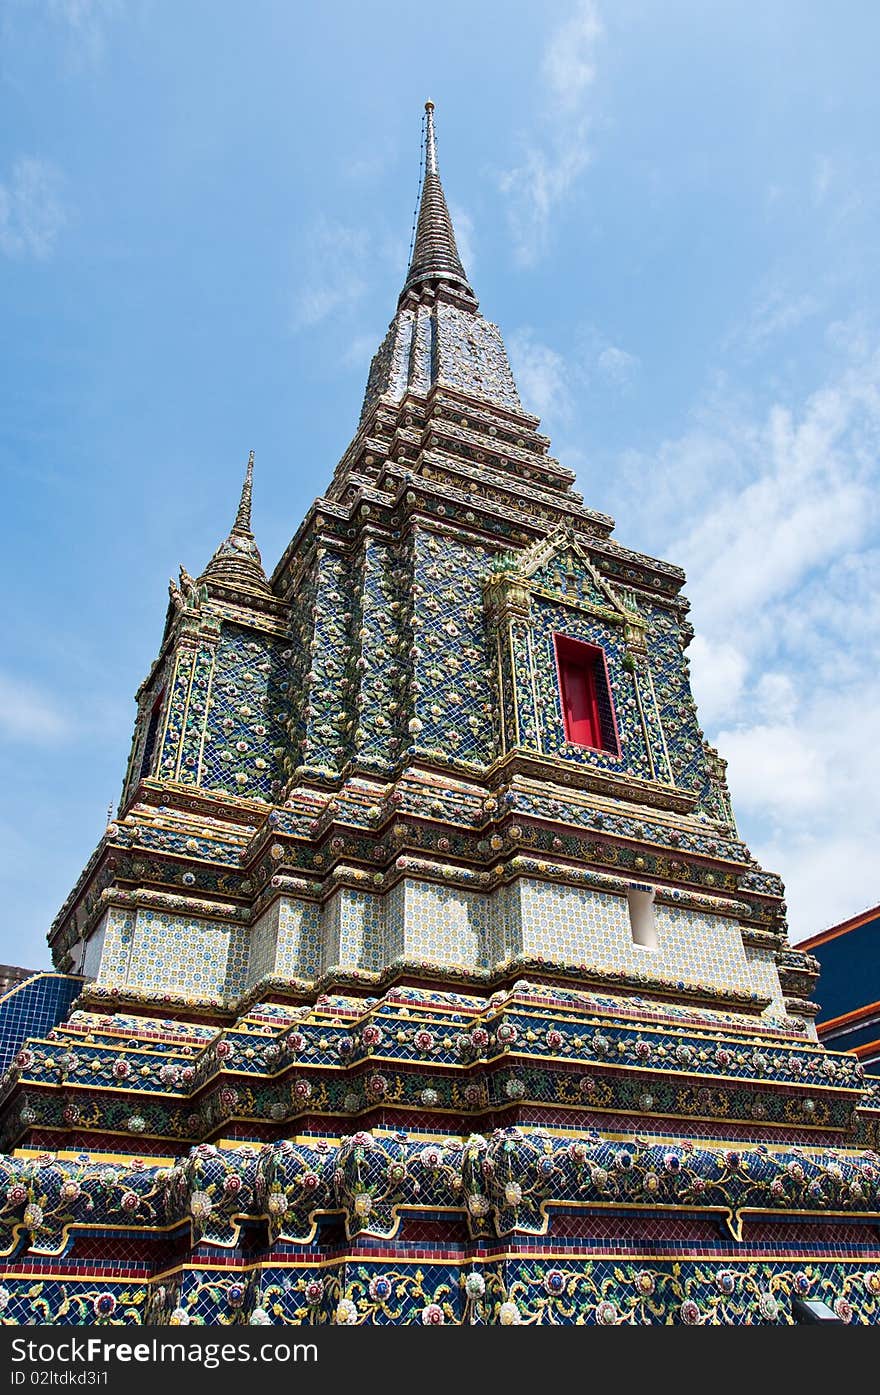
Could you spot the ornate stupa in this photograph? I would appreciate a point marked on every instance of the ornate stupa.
(422, 976)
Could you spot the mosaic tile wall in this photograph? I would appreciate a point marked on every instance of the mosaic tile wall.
(300, 939)
(263, 944)
(765, 977)
(166, 952)
(678, 711)
(584, 926)
(248, 710)
(32, 1008)
(116, 930)
(548, 618)
(441, 343)
(446, 925)
(380, 670)
(329, 724)
(451, 680)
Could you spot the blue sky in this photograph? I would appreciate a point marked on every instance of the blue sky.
(672, 212)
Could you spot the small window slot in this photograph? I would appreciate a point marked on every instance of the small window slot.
(641, 917)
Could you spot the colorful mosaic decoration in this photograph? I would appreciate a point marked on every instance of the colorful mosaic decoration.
(382, 1000)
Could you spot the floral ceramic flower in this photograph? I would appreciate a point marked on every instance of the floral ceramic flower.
(843, 1310)
(768, 1307)
(623, 1160)
(477, 1204)
(136, 1124)
(130, 1201)
(200, 1206)
(872, 1282)
(121, 1069)
(232, 1184)
(69, 1190)
(475, 1285)
(599, 1177)
(33, 1215)
(314, 1292)
(235, 1295)
(650, 1182)
(554, 1282)
(432, 1315)
(363, 1204)
(725, 1282)
(5, 1296)
(259, 1318)
(514, 1089)
(606, 1314)
(424, 1040)
(377, 1086)
(104, 1305)
(431, 1157)
(644, 1282)
(429, 1098)
(479, 1038)
(802, 1282)
(302, 1089)
(179, 1318)
(380, 1288)
(509, 1315)
(371, 1035)
(228, 1097)
(554, 1040)
(689, 1313)
(513, 1194)
(507, 1033)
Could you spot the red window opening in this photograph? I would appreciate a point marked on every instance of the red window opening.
(587, 709)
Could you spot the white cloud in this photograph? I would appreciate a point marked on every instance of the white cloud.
(86, 21)
(31, 211)
(541, 375)
(569, 64)
(717, 675)
(335, 272)
(774, 768)
(776, 312)
(28, 715)
(783, 503)
(547, 172)
(616, 364)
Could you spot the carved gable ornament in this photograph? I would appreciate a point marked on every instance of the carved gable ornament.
(559, 569)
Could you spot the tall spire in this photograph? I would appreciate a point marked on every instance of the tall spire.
(435, 255)
(242, 522)
(237, 563)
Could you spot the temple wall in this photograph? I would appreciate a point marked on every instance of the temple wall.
(160, 951)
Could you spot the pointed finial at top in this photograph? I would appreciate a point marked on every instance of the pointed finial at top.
(434, 254)
(237, 563)
(242, 522)
(430, 140)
